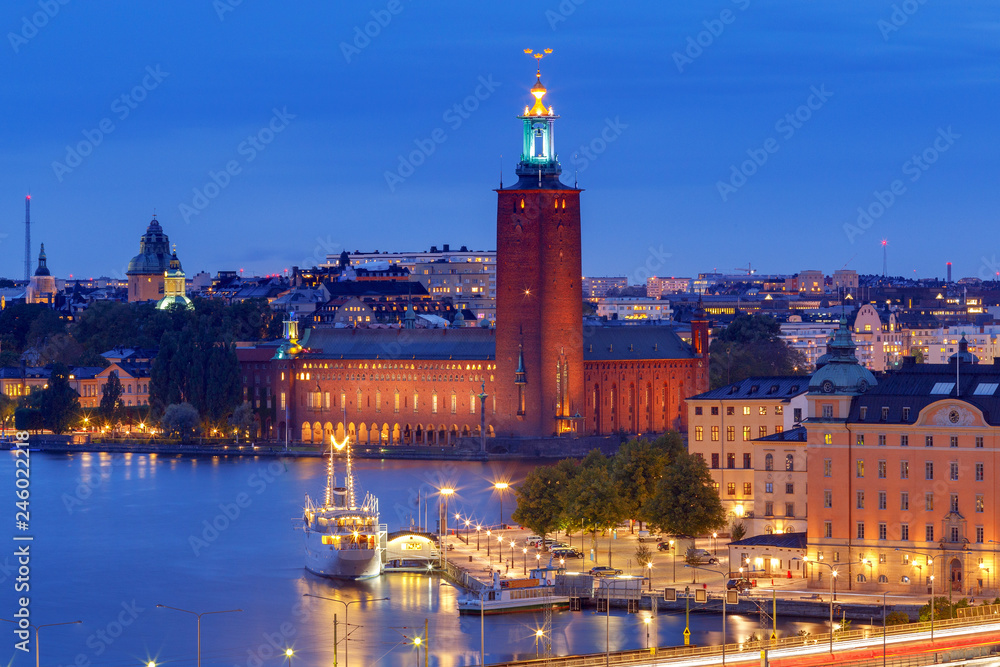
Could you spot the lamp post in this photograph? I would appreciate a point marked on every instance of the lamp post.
(347, 608)
(673, 548)
(725, 576)
(930, 567)
(196, 614)
(833, 579)
(982, 566)
(501, 487)
(538, 635)
(478, 529)
(482, 419)
(36, 628)
(525, 552)
(883, 628)
(649, 575)
(715, 544)
(289, 653)
(646, 621)
(512, 555)
(489, 533)
(443, 536)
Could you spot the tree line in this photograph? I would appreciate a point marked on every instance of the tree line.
(655, 482)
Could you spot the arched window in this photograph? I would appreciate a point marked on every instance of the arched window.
(789, 463)
(768, 462)
(862, 579)
(882, 579)
(904, 579)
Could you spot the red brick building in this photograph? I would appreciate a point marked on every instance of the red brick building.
(539, 373)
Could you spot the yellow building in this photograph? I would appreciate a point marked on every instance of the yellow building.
(147, 270)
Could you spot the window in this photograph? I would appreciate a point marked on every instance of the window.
(953, 441)
(731, 488)
(827, 438)
(904, 531)
(768, 508)
(779, 428)
(746, 462)
(928, 441)
(883, 532)
(979, 441)
(979, 472)
(715, 411)
(860, 439)
(906, 414)
(697, 410)
(827, 529)
(861, 536)
(928, 502)
(378, 400)
(731, 433)
(769, 462)
(761, 431)
(746, 434)
(715, 434)
(836, 556)
(789, 463)
(882, 466)
(472, 403)
(779, 409)
(730, 461)
(796, 414)
(358, 401)
(789, 509)
(762, 410)
(953, 471)
(904, 470)
(746, 409)
(904, 501)
(929, 470)
(416, 402)
(715, 460)
(954, 534)
(860, 499)
(789, 488)
(395, 402)
(747, 489)
(827, 467)
(828, 411)
(768, 487)
(827, 498)
(859, 468)
(882, 500)
(881, 440)
(699, 433)
(904, 441)
(979, 534)
(885, 413)
(980, 503)
(730, 411)
(282, 400)
(864, 412)
(434, 403)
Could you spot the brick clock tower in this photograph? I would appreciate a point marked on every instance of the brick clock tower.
(539, 345)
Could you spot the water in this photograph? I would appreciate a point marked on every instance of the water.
(115, 535)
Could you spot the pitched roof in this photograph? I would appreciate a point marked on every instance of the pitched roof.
(446, 343)
(639, 341)
(782, 387)
(797, 434)
(777, 540)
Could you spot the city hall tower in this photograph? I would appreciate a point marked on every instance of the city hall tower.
(539, 346)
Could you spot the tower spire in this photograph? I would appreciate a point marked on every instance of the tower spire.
(538, 154)
(27, 237)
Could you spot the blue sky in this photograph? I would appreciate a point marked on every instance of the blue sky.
(212, 74)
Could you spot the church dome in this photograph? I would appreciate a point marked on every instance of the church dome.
(154, 252)
(841, 373)
(43, 268)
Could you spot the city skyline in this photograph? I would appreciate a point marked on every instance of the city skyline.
(332, 116)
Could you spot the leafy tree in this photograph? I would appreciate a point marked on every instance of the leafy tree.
(637, 467)
(917, 354)
(59, 403)
(539, 500)
(737, 531)
(643, 555)
(897, 618)
(750, 346)
(28, 419)
(18, 328)
(7, 407)
(181, 419)
(111, 399)
(685, 502)
(242, 419)
(595, 501)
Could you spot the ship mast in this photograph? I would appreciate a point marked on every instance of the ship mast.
(330, 482)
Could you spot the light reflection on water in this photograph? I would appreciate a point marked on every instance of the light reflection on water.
(113, 529)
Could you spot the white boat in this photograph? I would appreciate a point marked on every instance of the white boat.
(344, 540)
(511, 596)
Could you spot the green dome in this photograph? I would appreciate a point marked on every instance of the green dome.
(168, 301)
(841, 373)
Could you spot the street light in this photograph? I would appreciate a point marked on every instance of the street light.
(930, 566)
(833, 578)
(478, 529)
(538, 635)
(443, 537)
(501, 487)
(488, 534)
(288, 656)
(512, 555)
(525, 552)
(646, 621)
(649, 570)
(715, 544)
(196, 614)
(36, 629)
(347, 608)
(673, 548)
(725, 593)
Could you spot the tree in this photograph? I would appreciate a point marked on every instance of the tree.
(637, 467)
(180, 419)
(594, 500)
(685, 503)
(539, 500)
(59, 403)
(242, 419)
(917, 354)
(111, 399)
(750, 346)
(737, 531)
(897, 618)
(7, 408)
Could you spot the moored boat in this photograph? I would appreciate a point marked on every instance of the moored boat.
(511, 596)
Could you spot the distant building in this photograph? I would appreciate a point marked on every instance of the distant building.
(633, 308)
(42, 287)
(174, 286)
(595, 288)
(147, 270)
(656, 287)
(845, 281)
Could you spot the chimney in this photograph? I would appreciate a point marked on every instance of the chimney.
(446, 247)
(949, 272)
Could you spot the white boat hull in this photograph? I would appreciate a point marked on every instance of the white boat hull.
(328, 561)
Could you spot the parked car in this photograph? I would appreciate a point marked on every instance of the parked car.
(644, 536)
(553, 544)
(604, 570)
(568, 552)
(533, 540)
(663, 546)
(700, 557)
(740, 585)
